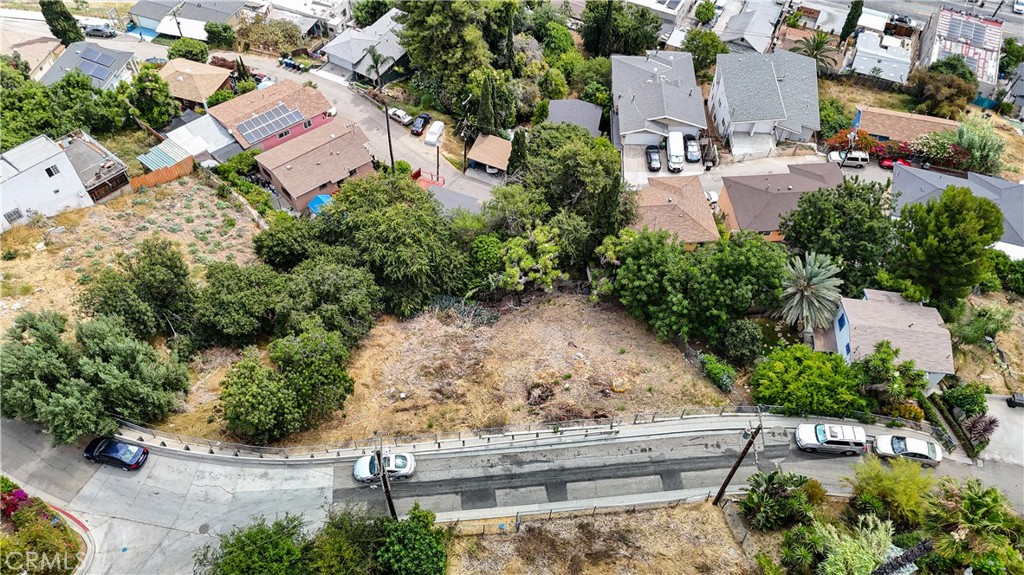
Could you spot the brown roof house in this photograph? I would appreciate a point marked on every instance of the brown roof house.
(316, 163)
(39, 52)
(757, 202)
(491, 152)
(269, 117)
(192, 82)
(899, 126)
(678, 206)
(917, 331)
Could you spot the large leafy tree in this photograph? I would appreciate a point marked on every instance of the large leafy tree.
(77, 388)
(1012, 56)
(326, 293)
(942, 245)
(62, 24)
(220, 35)
(258, 405)
(810, 292)
(704, 46)
(531, 258)
(972, 524)
(852, 17)
(850, 223)
(237, 304)
(413, 546)
(189, 49)
(820, 48)
(513, 208)
(150, 99)
(614, 27)
(444, 38)
(347, 543)
(805, 382)
(942, 95)
(260, 547)
(366, 12)
(312, 366)
(287, 242)
(705, 11)
(956, 65)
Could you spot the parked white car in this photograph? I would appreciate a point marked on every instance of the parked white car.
(400, 116)
(925, 452)
(397, 466)
(433, 137)
(829, 438)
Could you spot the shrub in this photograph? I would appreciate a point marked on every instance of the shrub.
(719, 372)
(816, 493)
(189, 49)
(767, 565)
(9, 254)
(908, 410)
(981, 427)
(969, 398)
(6, 485)
(774, 500)
(979, 323)
(740, 342)
(805, 382)
(895, 492)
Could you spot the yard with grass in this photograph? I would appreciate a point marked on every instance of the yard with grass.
(128, 145)
(855, 95)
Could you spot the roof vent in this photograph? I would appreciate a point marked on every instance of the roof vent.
(670, 200)
(288, 167)
(332, 136)
(790, 187)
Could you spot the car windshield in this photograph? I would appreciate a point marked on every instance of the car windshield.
(401, 462)
(819, 432)
(122, 451)
(931, 451)
(899, 445)
(373, 466)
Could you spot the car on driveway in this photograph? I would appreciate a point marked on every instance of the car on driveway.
(1015, 400)
(887, 163)
(923, 451)
(851, 159)
(400, 116)
(433, 137)
(692, 149)
(830, 438)
(420, 123)
(653, 155)
(127, 456)
(397, 466)
(100, 31)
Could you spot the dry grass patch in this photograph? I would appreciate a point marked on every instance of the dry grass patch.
(975, 363)
(129, 144)
(853, 95)
(689, 539)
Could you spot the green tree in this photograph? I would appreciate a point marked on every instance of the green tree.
(512, 208)
(326, 293)
(833, 117)
(805, 383)
(942, 245)
(573, 238)
(557, 40)
(820, 48)
(189, 49)
(220, 35)
(956, 65)
(850, 223)
(704, 46)
(596, 93)
(517, 159)
(366, 12)
(893, 382)
(532, 258)
(810, 292)
(895, 492)
(598, 25)
(969, 522)
(259, 547)
(15, 62)
(219, 97)
(552, 84)
(637, 31)
(613, 27)
(1012, 56)
(62, 24)
(443, 38)
(347, 543)
(112, 293)
(413, 546)
(245, 86)
(741, 342)
(258, 406)
(312, 366)
(486, 258)
(705, 12)
(852, 17)
(150, 99)
(378, 61)
(941, 95)
(485, 107)
(77, 388)
(286, 243)
(237, 304)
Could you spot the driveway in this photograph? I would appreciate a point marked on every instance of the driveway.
(712, 180)
(871, 172)
(1007, 443)
(634, 166)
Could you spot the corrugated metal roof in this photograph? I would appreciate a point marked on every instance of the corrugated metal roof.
(164, 154)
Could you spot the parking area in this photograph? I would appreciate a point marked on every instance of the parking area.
(1007, 443)
(634, 166)
(871, 172)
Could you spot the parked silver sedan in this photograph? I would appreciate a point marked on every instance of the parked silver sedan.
(925, 452)
(396, 465)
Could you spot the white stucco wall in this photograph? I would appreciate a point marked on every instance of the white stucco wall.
(33, 189)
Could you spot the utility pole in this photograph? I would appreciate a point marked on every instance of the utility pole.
(387, 485)
(997, 8)
(736, 466)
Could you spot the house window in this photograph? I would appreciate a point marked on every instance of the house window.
(307, 124)
(13, 216)
(842, 320)
(352, 172)
(283, 134)
(52, 171)
(847, 349)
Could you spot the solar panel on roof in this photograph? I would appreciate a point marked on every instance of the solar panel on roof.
(246, 126)
(90, 54)
(293, 118)
(277, 124)
(105, 60)
(87, 67)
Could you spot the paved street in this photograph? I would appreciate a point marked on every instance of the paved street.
(152, 520)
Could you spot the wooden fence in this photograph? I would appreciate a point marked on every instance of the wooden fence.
(163, 175)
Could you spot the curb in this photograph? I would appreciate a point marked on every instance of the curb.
(79, 527)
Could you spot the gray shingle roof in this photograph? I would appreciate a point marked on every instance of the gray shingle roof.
(153, 9)
(749, 79)
(220, 11)
(646, 89)
(917, 186)
(350, 46)
(578, 112)
(758, 202)
(72, 59)
(755, 27)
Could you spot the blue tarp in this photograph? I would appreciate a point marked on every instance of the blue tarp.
(318, 203)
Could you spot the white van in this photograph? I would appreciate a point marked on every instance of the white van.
(1018, 6)
(676, 152)
(851, 159)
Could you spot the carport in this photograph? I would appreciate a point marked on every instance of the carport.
(490, 151)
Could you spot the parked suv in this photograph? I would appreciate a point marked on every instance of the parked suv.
(855, 158)
(829, 438)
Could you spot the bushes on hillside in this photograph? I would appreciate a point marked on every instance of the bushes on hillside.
(719, 372)
(805, 382)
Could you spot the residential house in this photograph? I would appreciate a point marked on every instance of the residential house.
(1016, 90)
(316, 163)
(39, 52)
(266, 118)
(346, 54)
(787, 38)
(757, 203)
(205, 139)
(490, 152)
(105, 67)
(752, 29)
(977, 38)
(668, 10)
(653, 95)
(192, 82)
(47, 177)
(184, 19)
(756, 100)
(314, 17)
(821, 16)
(917, 331)
(677, 205)
(873, 21)
(884, 124)
(880, 56)
(917, 186)
(576, 112)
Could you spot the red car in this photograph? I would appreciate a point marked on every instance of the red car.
(887, 163)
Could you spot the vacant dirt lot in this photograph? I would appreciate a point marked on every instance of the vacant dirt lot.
(975, 363)
(186, 211)
(689, 539)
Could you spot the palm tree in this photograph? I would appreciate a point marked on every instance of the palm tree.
(818, 47)
(377, 61)
(810, 294)
(967, 519)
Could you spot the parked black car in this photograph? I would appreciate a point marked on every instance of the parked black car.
(100, 31)
(653, 155)
(1015, 400)
(421, 123)
(127, 456)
